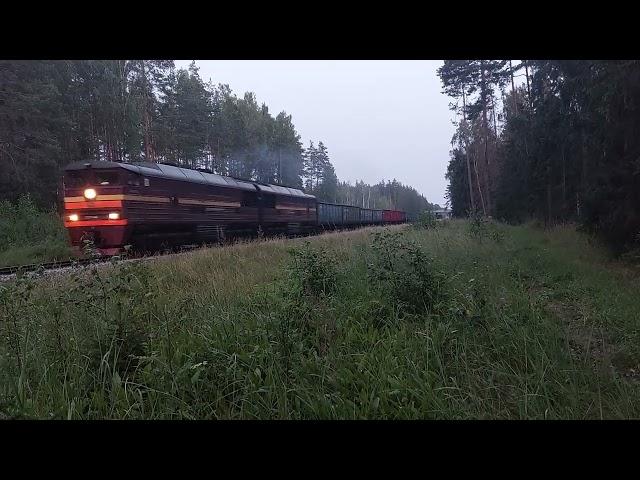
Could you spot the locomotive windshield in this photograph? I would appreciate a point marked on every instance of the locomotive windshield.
(82, 178)
(106, 178)
(74, 179)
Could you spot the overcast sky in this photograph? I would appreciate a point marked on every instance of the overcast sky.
(378, 119)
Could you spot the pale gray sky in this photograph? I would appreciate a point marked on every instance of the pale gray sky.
(378, 119)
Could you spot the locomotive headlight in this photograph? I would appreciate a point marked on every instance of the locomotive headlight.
(90, 194)
(74, 217)
(114, 216)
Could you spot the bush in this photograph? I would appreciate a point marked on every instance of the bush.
(29, 235)
(401, 272)
(22, 223)
(478, 226)
(426, 220)
(481, 227)
(632, 254)
(312, 271)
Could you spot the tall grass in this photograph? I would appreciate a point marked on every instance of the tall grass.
(29, 235)
(459, 321)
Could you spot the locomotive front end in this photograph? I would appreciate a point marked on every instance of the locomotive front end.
(93, 207)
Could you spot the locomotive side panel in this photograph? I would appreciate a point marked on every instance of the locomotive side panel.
(281, 209)
(168, 201)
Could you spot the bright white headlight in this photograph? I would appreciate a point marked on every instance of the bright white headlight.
(74, 217)
(90, 193)
(114, 216)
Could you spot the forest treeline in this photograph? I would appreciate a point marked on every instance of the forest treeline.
(553, 140)
(56, 112)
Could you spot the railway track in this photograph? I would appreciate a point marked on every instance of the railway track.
(4, 271)
(81, 262)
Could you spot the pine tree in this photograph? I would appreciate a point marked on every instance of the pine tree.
(466, 78)
(185, 116)
(310, 169)
(147, 78)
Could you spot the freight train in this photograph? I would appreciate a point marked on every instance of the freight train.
(151, 205)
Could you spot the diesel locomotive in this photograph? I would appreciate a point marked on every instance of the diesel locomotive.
(150, 205)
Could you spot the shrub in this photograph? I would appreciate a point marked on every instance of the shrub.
(481, 227)
(402, 272)
(478, 226)
(22, 223)
(29, 235)
(632, 254)
(426, 220)
(312, 271)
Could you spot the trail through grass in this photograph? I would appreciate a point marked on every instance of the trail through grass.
(452, 320)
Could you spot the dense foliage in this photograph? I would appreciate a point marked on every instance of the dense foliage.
(56, 112)
(565, 146)
(29, 235)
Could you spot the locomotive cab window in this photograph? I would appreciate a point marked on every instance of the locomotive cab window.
(75, 179)
(133, 179)
(106, 178)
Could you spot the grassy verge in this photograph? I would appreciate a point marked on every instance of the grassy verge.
(28, 235)
(456, 320)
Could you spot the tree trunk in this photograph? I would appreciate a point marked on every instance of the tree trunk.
(564, 184)
(513, 89)
(466, 153)
(526, 74)
(148, 149)
(475, 164)
(549, 211)
(486, 173)
(485, 129)
(279, 173)
(583, 180)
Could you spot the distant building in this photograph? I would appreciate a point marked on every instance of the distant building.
(442, 214)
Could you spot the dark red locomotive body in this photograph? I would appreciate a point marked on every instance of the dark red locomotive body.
(115, 204)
